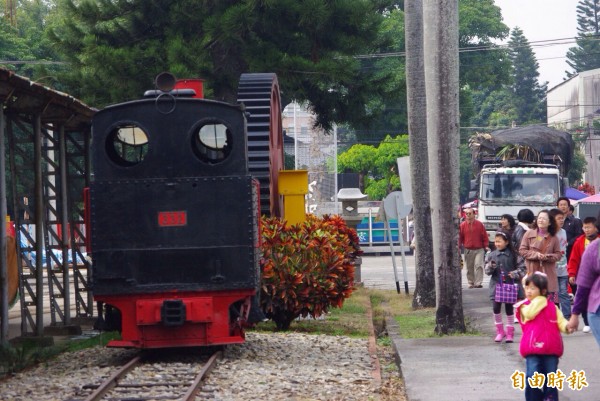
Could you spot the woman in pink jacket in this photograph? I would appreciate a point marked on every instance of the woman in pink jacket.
(541, 250)
(541, 343)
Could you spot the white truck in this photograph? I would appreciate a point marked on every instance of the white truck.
(518, 168)
(507, 189)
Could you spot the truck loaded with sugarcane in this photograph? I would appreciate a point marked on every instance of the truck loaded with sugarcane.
(518, 168)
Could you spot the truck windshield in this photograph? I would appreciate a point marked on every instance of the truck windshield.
(521, 187)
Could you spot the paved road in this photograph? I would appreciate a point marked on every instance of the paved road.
(378, 272)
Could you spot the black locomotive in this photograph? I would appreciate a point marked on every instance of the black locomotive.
(175, 201)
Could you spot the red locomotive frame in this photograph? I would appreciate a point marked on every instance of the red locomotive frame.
(207, 321)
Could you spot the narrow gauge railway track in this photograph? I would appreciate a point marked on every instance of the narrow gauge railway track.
(141, 379)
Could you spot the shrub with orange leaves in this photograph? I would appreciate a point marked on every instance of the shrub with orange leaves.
(307, 268)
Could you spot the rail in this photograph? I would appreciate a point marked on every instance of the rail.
(179, 386)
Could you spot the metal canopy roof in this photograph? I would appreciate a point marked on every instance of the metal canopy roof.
(22, 96)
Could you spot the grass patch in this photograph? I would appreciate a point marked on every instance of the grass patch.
(100, 340)
(349, 320)
(14, 358)
(384, 341)
(413, 323)
(419, 324)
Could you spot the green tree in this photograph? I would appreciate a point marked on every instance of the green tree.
(358, 159)
(586, 55)
(495, 108)
(581, 135)
(32, 17)
(25, 43)
(578, 167)
(522, 101)
(484, 66)
(529, 96)
(375, 165)
(12, 46)
(117, 47)
(480, 24)
(386, 111)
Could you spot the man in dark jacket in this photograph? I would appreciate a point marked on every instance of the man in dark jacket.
(572, 226)
(525, 218)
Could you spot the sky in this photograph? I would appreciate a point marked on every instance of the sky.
(542, 20)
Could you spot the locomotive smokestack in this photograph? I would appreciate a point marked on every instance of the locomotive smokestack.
(165, 81)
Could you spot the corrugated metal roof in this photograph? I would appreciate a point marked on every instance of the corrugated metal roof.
(22, 96)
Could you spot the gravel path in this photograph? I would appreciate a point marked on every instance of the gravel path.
(269, 366)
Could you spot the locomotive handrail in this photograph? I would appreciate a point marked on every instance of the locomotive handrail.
(175, 92)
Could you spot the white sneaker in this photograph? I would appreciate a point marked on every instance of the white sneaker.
(586, 329)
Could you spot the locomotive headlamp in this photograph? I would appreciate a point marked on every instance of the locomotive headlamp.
(165, 81)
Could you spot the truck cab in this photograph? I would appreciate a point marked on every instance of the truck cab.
(506, 189)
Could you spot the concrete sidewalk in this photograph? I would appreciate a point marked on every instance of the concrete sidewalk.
(475, 368)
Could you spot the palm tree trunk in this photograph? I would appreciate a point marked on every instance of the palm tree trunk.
(424, 295)
(442, 91)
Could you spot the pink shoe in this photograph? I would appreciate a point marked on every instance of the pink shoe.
(499, 333)
(510, 334)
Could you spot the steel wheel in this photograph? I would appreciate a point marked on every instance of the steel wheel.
(260, 95)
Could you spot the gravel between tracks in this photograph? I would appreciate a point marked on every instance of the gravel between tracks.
(269, 366)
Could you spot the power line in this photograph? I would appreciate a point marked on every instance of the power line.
(574, 105)
(21, 62)
(490, 47)
(493, 47)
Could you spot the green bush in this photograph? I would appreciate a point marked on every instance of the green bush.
(307, 268)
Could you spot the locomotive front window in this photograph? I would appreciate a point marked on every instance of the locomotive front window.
(127, 145)
(212, 142)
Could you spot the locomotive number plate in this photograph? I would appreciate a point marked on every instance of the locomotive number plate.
(172, 219)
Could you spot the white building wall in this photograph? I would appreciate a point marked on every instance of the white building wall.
(574, 104)
(563, 105)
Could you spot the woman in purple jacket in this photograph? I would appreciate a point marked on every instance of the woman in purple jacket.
(587, 297)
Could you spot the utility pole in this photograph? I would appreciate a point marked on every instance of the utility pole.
(424, 295)
(442, 89)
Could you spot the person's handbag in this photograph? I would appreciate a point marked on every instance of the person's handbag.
(506, 292)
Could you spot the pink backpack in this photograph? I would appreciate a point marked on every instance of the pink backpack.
(541, 336)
